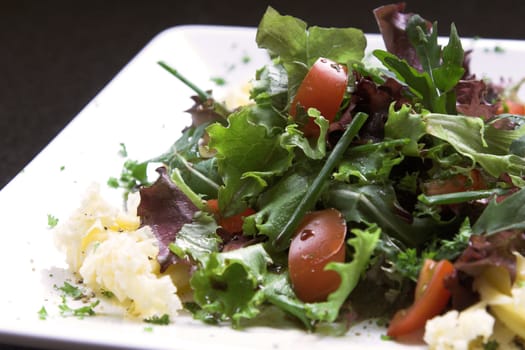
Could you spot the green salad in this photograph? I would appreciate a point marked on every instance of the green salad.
(346, 191)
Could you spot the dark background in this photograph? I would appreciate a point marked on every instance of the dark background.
(56, 55)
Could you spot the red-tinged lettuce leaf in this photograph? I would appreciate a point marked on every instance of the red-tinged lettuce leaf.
(492, 250)
(393, 23)
(204, 112)
(165, 209)
(471, 98)
(375, 101)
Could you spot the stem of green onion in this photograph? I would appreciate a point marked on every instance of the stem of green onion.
(312, 195)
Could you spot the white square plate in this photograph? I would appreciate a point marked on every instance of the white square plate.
(143, 108)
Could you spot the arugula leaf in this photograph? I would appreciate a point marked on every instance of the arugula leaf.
(377, 204)
(277, 205)
(506, 215)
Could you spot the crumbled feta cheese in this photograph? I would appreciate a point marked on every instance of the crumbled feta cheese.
(105, 246)
(459, 330)
(125, 264)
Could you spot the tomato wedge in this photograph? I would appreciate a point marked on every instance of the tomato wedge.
(456, 183)
(320, 239)
(232, 224)
(512, 107)
(431, 298)
(323, 88)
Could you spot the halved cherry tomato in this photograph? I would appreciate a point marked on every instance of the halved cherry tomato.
(320, 239)
(431, 298)
(232, 224)
(323, 88)
(456, 183)
(512, 107)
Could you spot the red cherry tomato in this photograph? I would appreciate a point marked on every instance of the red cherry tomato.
(431, 298)
(232, 224)
(320, 239)
(323, 88)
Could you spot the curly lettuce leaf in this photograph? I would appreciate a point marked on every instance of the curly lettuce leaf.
(293, 137)
(248, 157)
(363, 244)
(371, 163)
(405, 124)
(483, 144)
(227, 285)
(299, 46)
(197, 239)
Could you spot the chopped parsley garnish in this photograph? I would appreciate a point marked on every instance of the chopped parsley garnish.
(42, 313)
(52, 221)
(123, 152)
(71, 291)
(491, 345)
(107, 293)
(88, 310)
(159, 320)
(386, 337)
(219, 81)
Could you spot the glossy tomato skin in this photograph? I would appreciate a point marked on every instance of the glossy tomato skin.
(323, 88)
(319, 240)
(430, 299)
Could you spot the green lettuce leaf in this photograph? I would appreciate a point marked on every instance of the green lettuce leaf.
(299, 46)
(506, 215)
(248, 157)
(376, 204)
(363, 244)
(405, 124)
(197, 239)
(371, 163)
(293, 137)
(482, 144)
(277, 205)
(442, 69)
(227, 285)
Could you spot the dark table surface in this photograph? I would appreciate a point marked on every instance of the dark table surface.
(56, 55)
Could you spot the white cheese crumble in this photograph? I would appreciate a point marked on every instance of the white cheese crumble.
(106, 247)
(464, 330)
